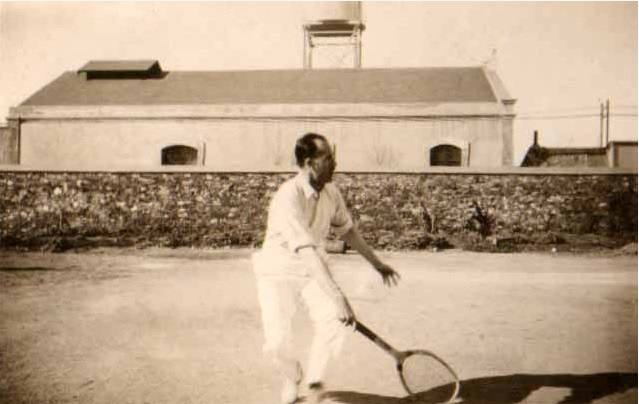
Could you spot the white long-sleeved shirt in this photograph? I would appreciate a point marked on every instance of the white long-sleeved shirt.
(299, 216)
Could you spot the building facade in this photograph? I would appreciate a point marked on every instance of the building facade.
(616, 154)
(125, 114)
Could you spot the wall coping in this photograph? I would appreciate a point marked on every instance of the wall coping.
(426, 171)
(431, 110)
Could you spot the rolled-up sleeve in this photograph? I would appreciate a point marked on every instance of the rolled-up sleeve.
(287, 218)
(341, 222)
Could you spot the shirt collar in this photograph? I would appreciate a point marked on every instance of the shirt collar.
(304, 182)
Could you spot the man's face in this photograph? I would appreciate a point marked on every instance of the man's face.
(323, 164)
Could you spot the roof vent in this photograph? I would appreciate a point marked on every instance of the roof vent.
(122, 69)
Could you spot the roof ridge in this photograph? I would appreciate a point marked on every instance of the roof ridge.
(322, 70)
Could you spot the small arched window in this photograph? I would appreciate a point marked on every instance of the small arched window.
(179, 155)
(445, 155)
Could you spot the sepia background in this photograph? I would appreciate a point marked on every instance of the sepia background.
(127, 278)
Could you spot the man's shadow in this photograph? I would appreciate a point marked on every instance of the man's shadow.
(509, 389)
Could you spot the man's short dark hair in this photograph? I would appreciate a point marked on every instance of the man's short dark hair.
(306, 147)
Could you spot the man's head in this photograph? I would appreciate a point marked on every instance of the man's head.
(313, 154)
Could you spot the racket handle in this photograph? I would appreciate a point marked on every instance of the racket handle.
(368, 333)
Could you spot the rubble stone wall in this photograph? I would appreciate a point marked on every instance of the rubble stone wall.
(393, 210)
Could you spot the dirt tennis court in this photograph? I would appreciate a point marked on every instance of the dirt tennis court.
(183, 326)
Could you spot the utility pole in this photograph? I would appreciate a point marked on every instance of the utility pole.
(607, 121)
(601, 124)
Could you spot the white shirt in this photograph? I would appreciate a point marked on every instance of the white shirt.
(299, 216)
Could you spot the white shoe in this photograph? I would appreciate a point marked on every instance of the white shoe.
(291, 386)
(289, 391)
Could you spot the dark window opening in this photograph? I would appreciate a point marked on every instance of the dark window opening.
(179, 155)
(445, 155)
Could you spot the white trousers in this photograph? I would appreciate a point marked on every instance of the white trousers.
(280, 297)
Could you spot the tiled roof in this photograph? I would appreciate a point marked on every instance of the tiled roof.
(326, 86)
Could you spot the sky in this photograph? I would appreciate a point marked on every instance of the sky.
(558, 59)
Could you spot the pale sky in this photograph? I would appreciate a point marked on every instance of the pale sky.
(558, 59)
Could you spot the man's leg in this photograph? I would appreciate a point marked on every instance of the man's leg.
(278, 300)
(329, 333)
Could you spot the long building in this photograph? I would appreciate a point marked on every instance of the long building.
(118, 114)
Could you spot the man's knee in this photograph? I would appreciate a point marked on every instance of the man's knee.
(283, 360)
(331, 334)
(275, 348)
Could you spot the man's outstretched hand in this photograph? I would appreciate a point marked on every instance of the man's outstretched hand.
(389, 275)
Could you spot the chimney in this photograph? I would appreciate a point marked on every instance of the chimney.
(536, 139)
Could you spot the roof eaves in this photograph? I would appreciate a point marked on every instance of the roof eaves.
(498, 87)
(623, 142)
(260, 111)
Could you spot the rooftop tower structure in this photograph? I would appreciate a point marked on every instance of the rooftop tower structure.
(335, 39)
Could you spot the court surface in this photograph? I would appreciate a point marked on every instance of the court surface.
(183, 326)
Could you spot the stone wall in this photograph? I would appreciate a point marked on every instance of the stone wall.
(394, 211)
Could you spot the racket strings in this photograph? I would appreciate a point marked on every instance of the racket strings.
(428, 377)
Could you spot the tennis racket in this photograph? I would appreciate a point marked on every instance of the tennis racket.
(421, 372)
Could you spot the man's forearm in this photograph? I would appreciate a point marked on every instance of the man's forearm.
(320, 273)
(355, 240)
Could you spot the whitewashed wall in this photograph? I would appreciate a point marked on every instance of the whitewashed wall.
(257, 145)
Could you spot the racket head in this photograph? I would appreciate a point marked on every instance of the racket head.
(425, 374)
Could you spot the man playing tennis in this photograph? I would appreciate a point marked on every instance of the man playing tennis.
(292, 267)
